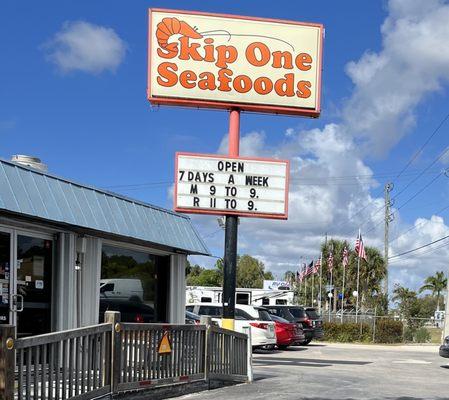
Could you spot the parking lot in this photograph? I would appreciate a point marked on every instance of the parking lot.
(343, 371)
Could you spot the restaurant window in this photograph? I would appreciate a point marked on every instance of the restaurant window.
(135, 283)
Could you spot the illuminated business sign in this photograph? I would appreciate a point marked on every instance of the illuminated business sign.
(211, 184)
(224, 61)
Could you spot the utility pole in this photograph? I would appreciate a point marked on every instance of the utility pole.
(388, 218)
(446, 314)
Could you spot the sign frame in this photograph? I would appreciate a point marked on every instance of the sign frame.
(248, 214)
(226, 105)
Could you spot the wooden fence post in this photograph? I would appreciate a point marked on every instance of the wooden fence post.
(7, 361)
(206, 320)
(249, 354)
(113, 317)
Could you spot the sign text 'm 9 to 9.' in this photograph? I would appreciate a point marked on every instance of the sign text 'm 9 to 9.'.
(253, 187)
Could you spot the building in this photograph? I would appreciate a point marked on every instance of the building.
(59, 239)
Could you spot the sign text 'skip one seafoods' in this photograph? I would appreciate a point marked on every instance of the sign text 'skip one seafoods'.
(251, 187)
(219, 61)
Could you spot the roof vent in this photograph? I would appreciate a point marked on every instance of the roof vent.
(29, 161)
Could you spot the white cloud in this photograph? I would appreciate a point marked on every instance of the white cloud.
(391, 83)
(82, 46)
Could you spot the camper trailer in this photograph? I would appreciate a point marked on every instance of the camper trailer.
(257, 297)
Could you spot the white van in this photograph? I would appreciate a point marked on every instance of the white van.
(126, 289)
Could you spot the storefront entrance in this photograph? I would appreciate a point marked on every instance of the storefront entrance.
(26, 261)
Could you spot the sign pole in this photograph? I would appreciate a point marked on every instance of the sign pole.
(230, 254)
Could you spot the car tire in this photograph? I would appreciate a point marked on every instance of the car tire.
(306, 342)
(282, 346)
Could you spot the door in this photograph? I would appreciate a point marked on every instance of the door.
(34, 262)
(6, 257)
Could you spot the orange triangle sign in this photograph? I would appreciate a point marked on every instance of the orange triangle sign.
(164, 345)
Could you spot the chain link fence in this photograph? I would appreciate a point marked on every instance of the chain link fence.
(418, 330)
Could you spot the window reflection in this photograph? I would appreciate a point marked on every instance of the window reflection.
(129, 284)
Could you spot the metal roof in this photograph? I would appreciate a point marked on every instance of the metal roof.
(41, 195)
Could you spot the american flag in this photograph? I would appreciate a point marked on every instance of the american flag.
(317, 266)
(301, 274)
(310, 270)
(359, 247)
(345, 257)
(330, 262)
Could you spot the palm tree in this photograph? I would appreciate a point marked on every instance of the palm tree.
(436, 284)
(372, 272)
(404, 298)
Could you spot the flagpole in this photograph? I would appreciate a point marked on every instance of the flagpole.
(330, 298)
(358, 281)
(343, 292)
(321, 282)
(313, 284)
(305, 288)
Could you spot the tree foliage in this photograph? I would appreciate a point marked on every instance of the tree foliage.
(250, 273)
(435, 284)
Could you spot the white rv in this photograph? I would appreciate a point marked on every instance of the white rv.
(257, 297)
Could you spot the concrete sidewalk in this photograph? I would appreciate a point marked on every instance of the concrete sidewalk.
(343, 371)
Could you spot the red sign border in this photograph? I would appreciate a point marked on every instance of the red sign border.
(266, 109)
(248, 214)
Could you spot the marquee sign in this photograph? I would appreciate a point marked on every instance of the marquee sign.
(224, 61)
(212, 184)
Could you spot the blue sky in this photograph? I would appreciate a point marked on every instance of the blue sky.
(97, 127)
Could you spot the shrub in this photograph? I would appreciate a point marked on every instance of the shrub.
(422, 335)
(416, 335)
(347, 332)
(389, 331)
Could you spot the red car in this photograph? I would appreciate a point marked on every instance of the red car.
(287, 333)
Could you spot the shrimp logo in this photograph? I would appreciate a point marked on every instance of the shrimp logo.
(221, 60)
(173, 26)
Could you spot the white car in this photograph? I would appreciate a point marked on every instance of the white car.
(257, 318)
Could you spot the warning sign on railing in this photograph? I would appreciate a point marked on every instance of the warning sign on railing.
(164, 344)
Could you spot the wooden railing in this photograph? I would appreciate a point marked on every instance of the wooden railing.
(228, 354)
(117, 357)
(65, 364)
(141, 363)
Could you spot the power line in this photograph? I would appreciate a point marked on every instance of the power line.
(429, 251)
(415, 156)
(418, 225)
(418, 248)
(420, 174)
(420, 191)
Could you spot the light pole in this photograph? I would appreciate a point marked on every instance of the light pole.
(355, 293)
(375, 314)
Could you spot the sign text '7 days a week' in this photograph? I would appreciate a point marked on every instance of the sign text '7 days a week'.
(209, 184)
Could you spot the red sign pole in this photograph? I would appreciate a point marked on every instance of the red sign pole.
(234, 133)
(230, 254)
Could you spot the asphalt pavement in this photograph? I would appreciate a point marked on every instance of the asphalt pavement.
(343, 371)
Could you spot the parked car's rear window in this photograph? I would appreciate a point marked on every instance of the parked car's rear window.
(264, 315)
(278, 319)
(210, 310)
(312, 314)
(298, 312)
(242, 315)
